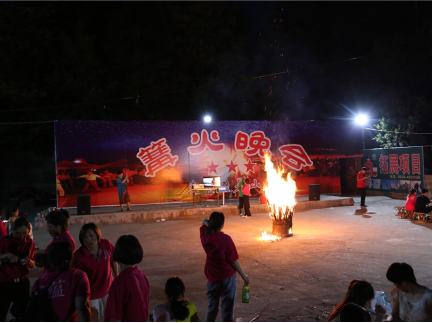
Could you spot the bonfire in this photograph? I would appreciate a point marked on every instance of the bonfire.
(280, 195)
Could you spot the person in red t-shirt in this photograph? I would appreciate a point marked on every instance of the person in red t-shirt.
(361, 185)
(57, 223)
(411, 200)
(128, 298)
(3, 231)
(220, 268)
(14, 284)
(95, 258)
(69, 288)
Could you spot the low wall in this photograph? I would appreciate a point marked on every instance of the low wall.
(150, 216)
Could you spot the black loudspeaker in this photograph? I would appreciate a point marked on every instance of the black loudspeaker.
(314, 192)
(83, 204)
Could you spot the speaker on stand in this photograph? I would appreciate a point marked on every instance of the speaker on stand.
(314, 192)
(83, 205)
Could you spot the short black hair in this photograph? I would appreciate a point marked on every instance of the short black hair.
(363, 168)
(424, 190)
(352, 312)
(119, 172)
(20, 222)
(60, 256)
(216, 221)
(59, 217)
(89, 226)
(128, 250)
(399, 272)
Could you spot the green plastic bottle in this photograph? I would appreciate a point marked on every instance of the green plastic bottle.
(245, 295)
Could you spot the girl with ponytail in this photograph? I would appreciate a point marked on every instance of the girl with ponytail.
(178, 308)
(220, 268)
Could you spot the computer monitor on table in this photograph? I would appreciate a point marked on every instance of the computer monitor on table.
(211, 181)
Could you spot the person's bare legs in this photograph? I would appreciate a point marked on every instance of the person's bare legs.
(121, 206)
(128, 205)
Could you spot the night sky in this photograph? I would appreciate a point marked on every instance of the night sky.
(264, 61)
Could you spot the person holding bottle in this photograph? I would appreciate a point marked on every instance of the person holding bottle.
(220, 268)
(361, 185)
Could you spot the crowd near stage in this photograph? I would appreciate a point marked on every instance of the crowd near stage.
(299, 278)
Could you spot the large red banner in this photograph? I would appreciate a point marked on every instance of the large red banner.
(164, 159)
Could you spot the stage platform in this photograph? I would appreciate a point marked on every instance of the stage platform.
(173, 211)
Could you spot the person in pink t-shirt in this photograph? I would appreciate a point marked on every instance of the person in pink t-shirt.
(246, 194)
(68, 288)
(57, 223)
(411, 200)
(128, 298)
(220, 268)
(95, 258)
(14, 284)
(3, 231)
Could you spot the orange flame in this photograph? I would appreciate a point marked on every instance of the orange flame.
(280, 192)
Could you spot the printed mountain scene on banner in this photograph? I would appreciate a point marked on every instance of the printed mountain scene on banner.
(163, 158)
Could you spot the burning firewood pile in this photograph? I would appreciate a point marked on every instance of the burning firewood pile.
(280, 195)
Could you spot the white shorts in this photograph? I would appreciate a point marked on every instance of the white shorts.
(99, 304)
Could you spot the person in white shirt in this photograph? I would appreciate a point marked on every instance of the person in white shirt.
(411, 302)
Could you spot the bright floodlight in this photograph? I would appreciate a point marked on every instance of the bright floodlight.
(361, 119)
(207, 119)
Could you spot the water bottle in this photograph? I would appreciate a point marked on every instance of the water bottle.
(245, 295)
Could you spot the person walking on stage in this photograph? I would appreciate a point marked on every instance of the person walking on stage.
(246, 194)
(240, 187)
(122, 181)
(361, 185)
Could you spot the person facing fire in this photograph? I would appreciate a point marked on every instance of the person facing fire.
(361, 185)
(220, 267)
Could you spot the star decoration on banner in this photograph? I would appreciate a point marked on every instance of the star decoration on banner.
(250, 166)
(231, 166)
(212, 168)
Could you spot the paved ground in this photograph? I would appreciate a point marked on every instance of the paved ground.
(295, 279)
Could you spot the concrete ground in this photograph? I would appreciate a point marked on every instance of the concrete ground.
(296, 279)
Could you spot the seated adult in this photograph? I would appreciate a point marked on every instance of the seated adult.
(177, 307)
(69, 288)
(359, 292)
(423, 204)
(411, 302)
(411, 200)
